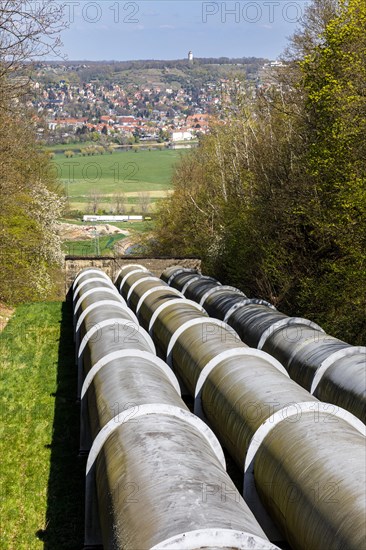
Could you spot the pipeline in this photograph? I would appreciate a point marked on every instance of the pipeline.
(155, 474)
(303, 460)
(330, 369)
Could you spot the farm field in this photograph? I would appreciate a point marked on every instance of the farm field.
(126, 174)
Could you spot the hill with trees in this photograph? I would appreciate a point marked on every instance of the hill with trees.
(175, 73)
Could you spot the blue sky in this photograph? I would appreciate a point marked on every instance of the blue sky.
(168, 29)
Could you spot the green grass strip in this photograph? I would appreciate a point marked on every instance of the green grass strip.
(41, 475)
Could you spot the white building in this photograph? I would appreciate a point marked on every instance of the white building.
(190, 56)
(181, 136)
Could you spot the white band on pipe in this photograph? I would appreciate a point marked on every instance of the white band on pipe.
(172, 303)
(139, 282)
(142, 410)
(189, 283)
(295, 409)
(201, 278)
(215, 361)
(236, 352)
(156, 289)
(103, 303)
(191, 323)
(128, 354)
(86, 272)
(126, 266)
(260, 302)
(134, 265)
(286, 322)
(178, 272)
(115, 321)
(140, 270)
(112, 291)
(329, 361)
(246, 302)
(92, 280)
(215, 538)
(216, 289)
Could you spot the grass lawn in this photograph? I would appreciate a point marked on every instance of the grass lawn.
(137, 227)
(121, 172)
(41, 473)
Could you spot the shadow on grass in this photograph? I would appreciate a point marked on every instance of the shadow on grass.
(65, 497)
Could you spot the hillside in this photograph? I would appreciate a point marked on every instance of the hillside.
(176, 73)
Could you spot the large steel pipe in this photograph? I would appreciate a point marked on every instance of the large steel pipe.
(301, 349)
(198, 287)
(170, 273)
(299, 344)
(141, 431)
(160, 480)
(341, 379)
(331, 368)
(220, 302)
(249, 319)
(246, 397)
(84, 288)
(298, 466)
(214, 296)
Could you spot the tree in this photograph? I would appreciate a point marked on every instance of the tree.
(30, 205)
(144, 201)
(120, 200)
(334, 76)
(30, 200)
(94, 199)
(274, 200)
(28, 31)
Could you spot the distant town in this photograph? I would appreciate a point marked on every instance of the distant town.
(131, 102)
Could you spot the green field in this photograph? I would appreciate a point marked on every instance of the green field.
(42, 477)
(128, 173)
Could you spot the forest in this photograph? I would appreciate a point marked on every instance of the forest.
(274, 200)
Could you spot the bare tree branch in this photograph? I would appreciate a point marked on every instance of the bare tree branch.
(29, 30)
